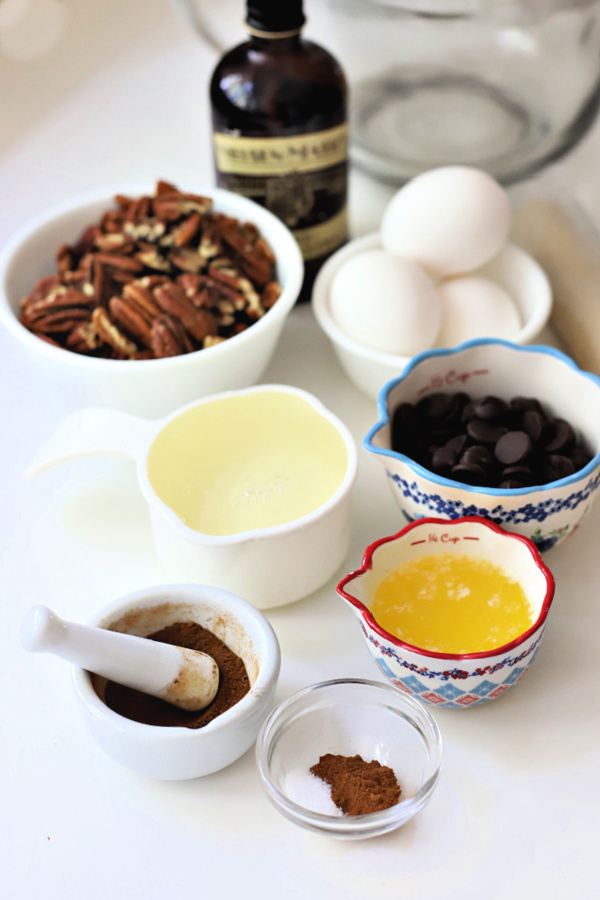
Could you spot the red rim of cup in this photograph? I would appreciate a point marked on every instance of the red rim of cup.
(367, 563)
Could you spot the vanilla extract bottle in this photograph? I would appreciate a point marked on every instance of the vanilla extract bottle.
(279, 118)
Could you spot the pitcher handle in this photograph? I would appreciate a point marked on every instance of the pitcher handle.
(94, 432)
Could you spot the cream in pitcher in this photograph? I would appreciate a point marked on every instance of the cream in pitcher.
(223, 468)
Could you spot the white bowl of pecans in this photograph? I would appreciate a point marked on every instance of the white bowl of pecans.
(147, 298)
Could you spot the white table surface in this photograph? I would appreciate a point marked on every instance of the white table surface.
(120, 96)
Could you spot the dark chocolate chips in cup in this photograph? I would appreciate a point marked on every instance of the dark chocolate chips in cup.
(488, 442)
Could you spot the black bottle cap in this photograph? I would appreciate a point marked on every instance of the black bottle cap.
(274, 16)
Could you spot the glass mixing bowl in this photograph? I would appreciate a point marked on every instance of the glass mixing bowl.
(505, 85)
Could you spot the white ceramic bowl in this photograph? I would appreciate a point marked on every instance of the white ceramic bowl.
(145, 387)
(451, 679)
(513, 269)
(545, 513)
(346, 717)
(177, 753)
(268, 566)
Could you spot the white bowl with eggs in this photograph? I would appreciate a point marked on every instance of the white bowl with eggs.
(439, 272)
(513, 269)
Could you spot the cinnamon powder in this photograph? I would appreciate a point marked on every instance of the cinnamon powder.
(233, 682)
(358, 787)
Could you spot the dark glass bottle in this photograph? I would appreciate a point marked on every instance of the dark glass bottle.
(279, 117)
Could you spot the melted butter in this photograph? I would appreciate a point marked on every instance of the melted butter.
(247, 462)
(450, 603)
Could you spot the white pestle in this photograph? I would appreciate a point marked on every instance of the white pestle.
(185, 678)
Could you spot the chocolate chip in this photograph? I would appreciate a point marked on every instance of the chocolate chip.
(457, 443)
(533, 422)
(479, 455)
(438, 406)
(406, 414)
(487, 442)
(467, 411)
(556, 466)
(485, 432)
(443, 460)
(559, 437)
(442, 431)
(405, 426)
(490, 408)
(513, 447)
(521, 473)
(524, 403)
(580, 458)
(470, 473)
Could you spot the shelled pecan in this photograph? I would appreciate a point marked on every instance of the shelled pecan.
(157, 276)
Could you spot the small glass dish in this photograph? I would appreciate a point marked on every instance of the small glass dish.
(348, 717)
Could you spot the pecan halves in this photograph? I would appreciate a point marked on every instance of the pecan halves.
(138, 292)
(64, 259)
(133, 318)
(187, 259)
(101, 284)
(155, 276)
(110, 334)
(119, 261)
(257, 264)
(169, 337)
(186, 232)
(58, 311)
(42, 289)
(116, 242)
(172, 299)
(270, 295)
(172, 205)
(59, 321)
(84, 338)
(153, 260)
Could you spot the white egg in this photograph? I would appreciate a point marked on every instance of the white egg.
(450, 220)
(475, 307)
(386, 303)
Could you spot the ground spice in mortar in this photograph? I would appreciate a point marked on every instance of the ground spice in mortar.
(233, 682)
(358, 787)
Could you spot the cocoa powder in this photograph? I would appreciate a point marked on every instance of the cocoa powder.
(233, 682)
(358, 787)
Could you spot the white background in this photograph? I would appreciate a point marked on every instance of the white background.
(113, 91)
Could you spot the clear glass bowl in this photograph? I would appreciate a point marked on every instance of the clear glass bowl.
(505, 85)
(348, 717)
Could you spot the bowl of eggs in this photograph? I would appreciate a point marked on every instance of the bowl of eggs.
(439, 272)
(452, 612)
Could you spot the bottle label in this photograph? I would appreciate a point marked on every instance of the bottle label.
(277, 156)
(301, 179)
(321, 240)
